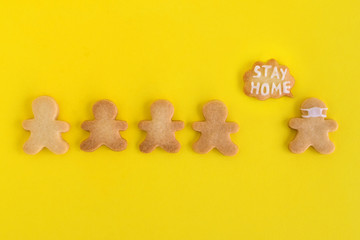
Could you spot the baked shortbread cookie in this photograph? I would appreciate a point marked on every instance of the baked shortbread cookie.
(104, 129)
(161, 129)
(45, 129)
(312, 128)
(268, 80)
(215, 131)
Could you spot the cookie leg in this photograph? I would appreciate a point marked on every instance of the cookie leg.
(32, 147)
(228, 148)
(298, 145)
(201, 146)
(118, 145)
(172, 146)
(58, 147)
(325, 147)
(89, 145)
(147, 146)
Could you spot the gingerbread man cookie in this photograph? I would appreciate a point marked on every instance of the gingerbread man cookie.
(215, 131)
(161, 129)
(104, 130)
(45, 129)
(312, 128)
(268, 80)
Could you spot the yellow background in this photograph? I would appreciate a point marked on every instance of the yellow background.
(189, 52)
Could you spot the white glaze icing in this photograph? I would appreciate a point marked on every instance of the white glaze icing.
(314, 112)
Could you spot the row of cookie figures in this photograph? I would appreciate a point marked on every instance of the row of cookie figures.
(215, 131)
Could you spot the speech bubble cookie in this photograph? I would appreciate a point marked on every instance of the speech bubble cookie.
(268, 80)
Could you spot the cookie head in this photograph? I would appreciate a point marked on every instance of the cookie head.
(313, 107)
(45, 107)
(215, 111)
(162, 109)
(104, 109)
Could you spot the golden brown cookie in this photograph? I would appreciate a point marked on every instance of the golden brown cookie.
(312, 128)
(45, 129)
(161, 129)
(104, 130)
(215, 131)
(268, 80)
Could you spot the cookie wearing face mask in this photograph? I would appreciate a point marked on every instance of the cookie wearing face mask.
(312, 128)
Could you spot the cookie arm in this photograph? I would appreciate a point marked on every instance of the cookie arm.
(87, 125)
(178, 125)
(62, 126)
(232, 127)
(121, 125)
(27, 124)
(144, 125)
(295, 123)
(331, 124)
(198, 126)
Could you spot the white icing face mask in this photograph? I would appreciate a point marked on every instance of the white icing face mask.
(314, 112)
